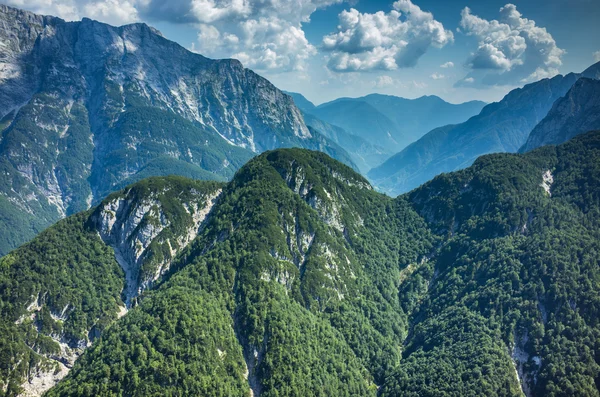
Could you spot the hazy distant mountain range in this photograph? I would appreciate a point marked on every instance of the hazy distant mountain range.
(500, 127)
(389, 123)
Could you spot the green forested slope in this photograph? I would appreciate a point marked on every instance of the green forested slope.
(303, 281)
(520, 266)
(59, 292)
(65, 282)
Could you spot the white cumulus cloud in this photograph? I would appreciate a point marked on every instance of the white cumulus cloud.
(512, 49)
(384, 81)
(115, 12)
(263, 34)
(447, 65)
(384, 41)
(67, 9)
(437, 76)
(596, 56)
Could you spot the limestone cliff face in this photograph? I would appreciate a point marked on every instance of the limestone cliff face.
(576, 113)
(145, 236)
(86, 108)
(146, 226)
(80, 59)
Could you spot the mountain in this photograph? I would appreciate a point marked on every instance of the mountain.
(360, 119)
(500, 127)
(415, 117)
(301, 102)
(297, 278)
(77, 276)
(364, 154)
(269, 264)
(575, 113)
(87, 108)
(390, 121)
(373, 127)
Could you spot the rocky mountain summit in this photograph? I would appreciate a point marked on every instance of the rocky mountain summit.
(86, 108)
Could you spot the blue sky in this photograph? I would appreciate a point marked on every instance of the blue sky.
(457, 49)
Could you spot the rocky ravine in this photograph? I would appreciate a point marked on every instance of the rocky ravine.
(130, 227)
(145, 238)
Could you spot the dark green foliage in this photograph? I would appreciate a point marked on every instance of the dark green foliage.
(177, 342)
(291, 303)
(316, 285)
(66, 271)
(524, 261)
(454, 354)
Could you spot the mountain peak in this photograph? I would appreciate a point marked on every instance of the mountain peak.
(303, 167)
(593, 72)
(126, 103)
(575, 113)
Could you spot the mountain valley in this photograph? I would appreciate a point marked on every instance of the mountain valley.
(176, 225)
(500, 127)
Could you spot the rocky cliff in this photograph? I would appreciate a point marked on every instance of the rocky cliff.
(86, 108)
(576, 113)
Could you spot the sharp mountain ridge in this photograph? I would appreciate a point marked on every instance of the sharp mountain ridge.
(575, 113)
(503, 126)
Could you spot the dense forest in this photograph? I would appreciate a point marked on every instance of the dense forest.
(304, 281)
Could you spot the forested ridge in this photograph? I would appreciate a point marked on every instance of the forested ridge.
(304, 281)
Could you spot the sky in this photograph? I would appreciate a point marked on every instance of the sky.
(459, 50)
